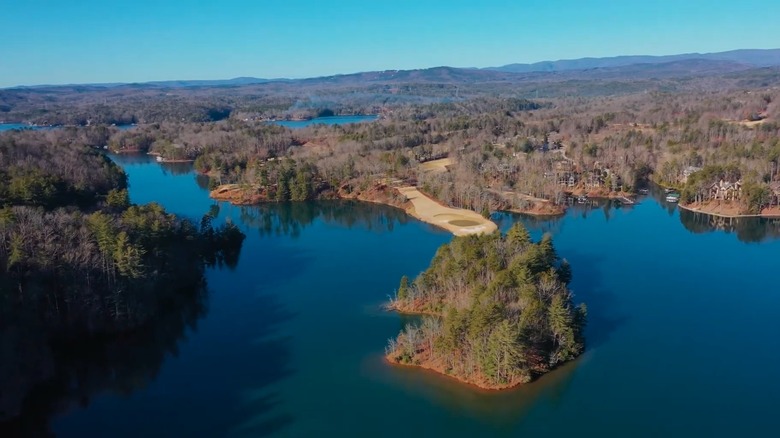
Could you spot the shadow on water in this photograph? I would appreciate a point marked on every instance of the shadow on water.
(265, 361)
(51, 374)
(603, 317)
(53, 365)
(48, 377)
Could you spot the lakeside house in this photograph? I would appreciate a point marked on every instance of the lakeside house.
(725, 190)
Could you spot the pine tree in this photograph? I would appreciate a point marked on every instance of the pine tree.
(518, 235)
(403, 288)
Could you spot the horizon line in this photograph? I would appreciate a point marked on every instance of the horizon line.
(282, 79)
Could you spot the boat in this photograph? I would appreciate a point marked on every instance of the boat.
(644, 191)
(673, 197)
(582, 199)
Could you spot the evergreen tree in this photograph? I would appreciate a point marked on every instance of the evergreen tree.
(403, 288)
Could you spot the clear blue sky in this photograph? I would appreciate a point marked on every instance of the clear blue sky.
(87, 41)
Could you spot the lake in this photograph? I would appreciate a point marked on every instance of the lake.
(334, 120)
(682, 336)
(11, 126)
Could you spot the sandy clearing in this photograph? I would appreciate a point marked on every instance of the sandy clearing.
(750, 124)
(458, 221)
(436, 165)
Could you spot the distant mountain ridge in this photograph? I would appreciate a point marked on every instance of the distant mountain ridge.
(617, 67)
(749, 57)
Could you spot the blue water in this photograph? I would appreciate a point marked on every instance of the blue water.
(334, 120)
(682, 339)
(11, 126)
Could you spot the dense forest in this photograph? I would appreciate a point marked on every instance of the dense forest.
(499, 311)
(83, 266)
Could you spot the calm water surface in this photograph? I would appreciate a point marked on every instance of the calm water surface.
(682, 336)
(334, 120)
(11, 126)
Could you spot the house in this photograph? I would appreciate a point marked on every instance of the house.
(687, 172)
(726, 191)
(568, 179)
(593, 179)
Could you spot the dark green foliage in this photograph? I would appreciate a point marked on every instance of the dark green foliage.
(403, 288)
(118, 199)
(755, 196)
(35, 173)
(507, 311)
(74, 250)
(697, 186)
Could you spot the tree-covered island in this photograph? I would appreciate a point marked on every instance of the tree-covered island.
(497, 311)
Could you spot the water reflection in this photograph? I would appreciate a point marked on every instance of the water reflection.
(176, 168)
(551, 224)
(503, 409)
(747, 229)
(289, 219)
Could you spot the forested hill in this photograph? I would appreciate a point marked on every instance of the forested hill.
(71, 241)
(36, 173)
(82, 269)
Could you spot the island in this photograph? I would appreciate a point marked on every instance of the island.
(496, 311)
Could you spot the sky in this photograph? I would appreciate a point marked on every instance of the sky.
(98, 41)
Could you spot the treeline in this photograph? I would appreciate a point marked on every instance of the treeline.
(275, 180)
(110, 270)
(35, 172)
(501, 311)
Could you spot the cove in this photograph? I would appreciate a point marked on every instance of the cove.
(333, 120)
(681, 338)
(11, 126)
